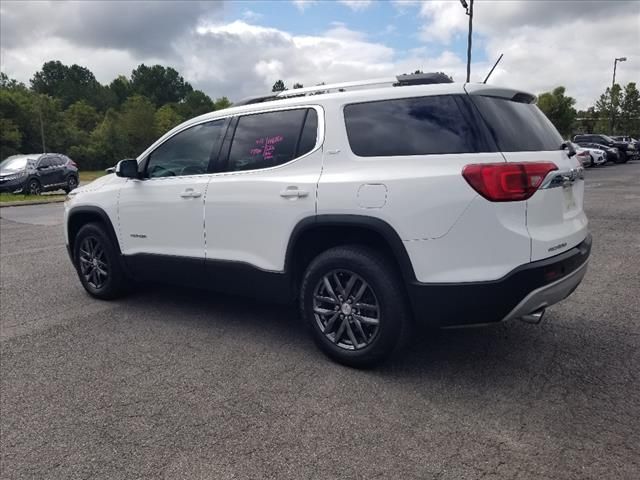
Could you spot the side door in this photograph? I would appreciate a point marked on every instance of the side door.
(58, 170)
(266, 183)
(161, 215)
(46, 171)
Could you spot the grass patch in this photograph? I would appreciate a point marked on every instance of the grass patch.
(13, 197)
(91, 175)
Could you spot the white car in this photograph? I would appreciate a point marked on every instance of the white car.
(373, 205)
(590, 157)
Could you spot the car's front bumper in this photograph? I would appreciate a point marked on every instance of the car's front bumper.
(11, 186)
(526, 289)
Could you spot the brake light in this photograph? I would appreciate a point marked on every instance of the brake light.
(72, 163)
(507, 182)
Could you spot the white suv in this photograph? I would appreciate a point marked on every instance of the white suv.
(374, 204)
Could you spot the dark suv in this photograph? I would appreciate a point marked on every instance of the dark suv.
(607, 141)
(38, 173)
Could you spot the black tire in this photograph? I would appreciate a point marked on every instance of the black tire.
(386, 289)
(72, 182)
(592, 162)
(33, 187)
(105, 287)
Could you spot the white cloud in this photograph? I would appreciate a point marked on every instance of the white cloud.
(357, 5)
(251, 16)
(303, 4)
(545, 45)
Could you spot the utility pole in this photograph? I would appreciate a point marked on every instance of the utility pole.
(44, 150)
(613, 82)
(469, 9)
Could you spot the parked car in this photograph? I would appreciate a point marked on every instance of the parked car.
(613, 154)
(37, 173)
(634, 145)
(371, 207)
(606, 141)
(590, 157)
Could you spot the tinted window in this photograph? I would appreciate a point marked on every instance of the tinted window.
(309, 133)
(518, 126)
(45, 162)
(409, 126)
(188, 152)
(268, 139)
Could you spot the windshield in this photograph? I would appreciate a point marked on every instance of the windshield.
(15, 163)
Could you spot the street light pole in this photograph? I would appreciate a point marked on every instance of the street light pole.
(613, 82)
(469, 8)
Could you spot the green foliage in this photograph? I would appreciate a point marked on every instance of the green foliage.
(629, 117)
(166, 117)
(160, 84)
(559, 109)
(278, 86)
(96, 125)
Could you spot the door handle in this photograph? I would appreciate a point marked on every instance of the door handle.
(190, 193)
(293, 192)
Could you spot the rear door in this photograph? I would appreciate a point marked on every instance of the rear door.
(555, 217)
(266, 183)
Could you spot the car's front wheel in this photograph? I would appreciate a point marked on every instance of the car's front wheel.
(353, 302)
(34, 187)
(97, 263)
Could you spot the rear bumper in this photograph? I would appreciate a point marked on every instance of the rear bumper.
(524, 290)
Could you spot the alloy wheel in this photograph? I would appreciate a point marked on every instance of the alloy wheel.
(34, 187)
(346, 309)
(93, 262)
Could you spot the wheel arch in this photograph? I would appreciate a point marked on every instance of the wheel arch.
(314, 235)
(81, 215)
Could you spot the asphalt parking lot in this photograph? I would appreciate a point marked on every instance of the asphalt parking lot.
(176, 384)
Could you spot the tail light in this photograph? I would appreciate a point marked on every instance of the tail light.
(507, 182)
(72, 163)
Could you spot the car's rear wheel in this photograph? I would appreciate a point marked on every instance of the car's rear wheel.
(97, 263)
(72, 182)
(352, 300)
(34, 187)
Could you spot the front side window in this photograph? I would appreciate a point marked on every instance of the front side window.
(410, 126)
(188, 152)
(268, 139)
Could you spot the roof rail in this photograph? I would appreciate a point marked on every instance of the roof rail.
(400, 80)
(298, 92)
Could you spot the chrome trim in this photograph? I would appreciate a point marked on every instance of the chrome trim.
(549, 294)
(563, 178)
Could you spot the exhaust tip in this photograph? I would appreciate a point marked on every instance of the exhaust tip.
(534, 317)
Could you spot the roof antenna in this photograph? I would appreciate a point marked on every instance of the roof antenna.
(493, 68)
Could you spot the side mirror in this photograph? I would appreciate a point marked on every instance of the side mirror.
(127, 168)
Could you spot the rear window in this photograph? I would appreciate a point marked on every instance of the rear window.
(518, 127)
(410, 126)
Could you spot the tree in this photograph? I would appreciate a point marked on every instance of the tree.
(629, 119)
(606, 105)
(559, 109)
(165, 118)
(278, 86)
(222, 102)
(137, 119)
(298, 85)
(121, 89)
(159, 84)
(195, 103)
(69, 84)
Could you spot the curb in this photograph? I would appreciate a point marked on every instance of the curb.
(27, 202)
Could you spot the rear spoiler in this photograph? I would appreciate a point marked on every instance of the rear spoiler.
(500, 92)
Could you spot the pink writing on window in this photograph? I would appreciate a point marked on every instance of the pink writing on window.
(266, 146)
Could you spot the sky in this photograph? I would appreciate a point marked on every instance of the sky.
(240, 48)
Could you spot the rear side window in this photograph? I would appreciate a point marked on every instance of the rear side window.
(268, 139)
(518, 127)
(410, 126)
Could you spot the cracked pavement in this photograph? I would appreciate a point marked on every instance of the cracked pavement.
(171, 383)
